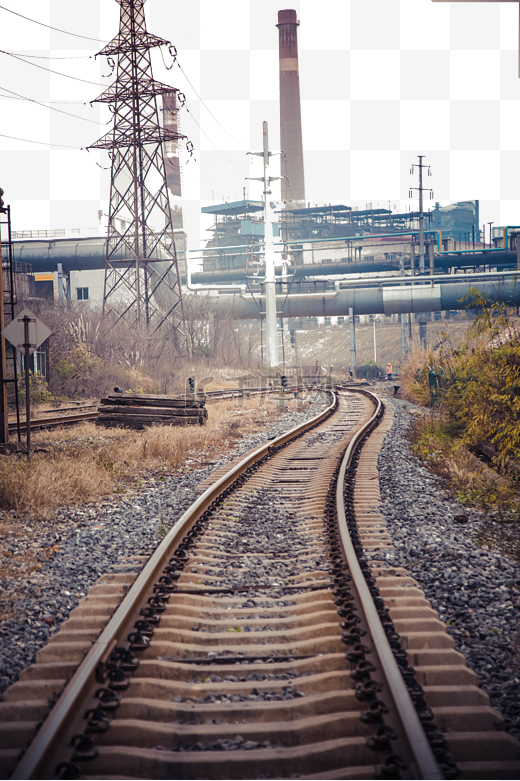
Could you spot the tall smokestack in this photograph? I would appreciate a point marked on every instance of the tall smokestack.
(293, 187)
(171, 148)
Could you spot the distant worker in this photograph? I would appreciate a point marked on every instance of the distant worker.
(389, 372)
(330, 372)
(351, 373)
(295, 391)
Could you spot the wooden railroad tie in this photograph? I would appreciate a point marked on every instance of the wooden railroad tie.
(139, 411)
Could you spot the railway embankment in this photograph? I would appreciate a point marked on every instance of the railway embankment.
(465, 572)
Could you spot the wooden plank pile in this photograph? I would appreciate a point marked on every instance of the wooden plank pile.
(139, 411)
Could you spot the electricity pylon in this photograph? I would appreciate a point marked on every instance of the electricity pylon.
(142, 281)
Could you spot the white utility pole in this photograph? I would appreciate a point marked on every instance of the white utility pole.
(270, 284)
(271, 327)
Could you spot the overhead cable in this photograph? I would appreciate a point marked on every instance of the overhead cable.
(35, 65)
(43, 143)
(50, 107)
(51, 57)
(210, 140)
(174, 55)
(76, 35)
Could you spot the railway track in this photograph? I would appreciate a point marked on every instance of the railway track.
(51, 422)
(81, 417)
(257, 643)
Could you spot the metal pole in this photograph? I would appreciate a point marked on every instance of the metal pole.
(490, 235)
(4, 420)
(375, 346)
(352, 329)
(421, 218)
(12, 304)
(270, 283)
(26, 321)
(404, 345)
(60, 282)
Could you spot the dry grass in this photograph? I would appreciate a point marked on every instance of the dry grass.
(86, 462)
(416, 359)
(49, 481)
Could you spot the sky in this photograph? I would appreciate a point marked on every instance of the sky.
(381, 82)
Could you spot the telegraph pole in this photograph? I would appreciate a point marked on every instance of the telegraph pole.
(269, 254)
(420, 165)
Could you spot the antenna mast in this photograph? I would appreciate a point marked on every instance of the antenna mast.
(142, 281)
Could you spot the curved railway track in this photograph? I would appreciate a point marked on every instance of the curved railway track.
(257, 643)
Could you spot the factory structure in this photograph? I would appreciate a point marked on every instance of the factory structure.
(317, 245)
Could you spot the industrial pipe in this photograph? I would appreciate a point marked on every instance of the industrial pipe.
(378, 300)
(89, 254)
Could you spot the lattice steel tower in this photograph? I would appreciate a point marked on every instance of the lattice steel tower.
(142, 281)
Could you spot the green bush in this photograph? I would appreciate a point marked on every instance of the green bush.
(38, 390)
(477, 384)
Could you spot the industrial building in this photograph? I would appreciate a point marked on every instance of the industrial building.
(319, 243)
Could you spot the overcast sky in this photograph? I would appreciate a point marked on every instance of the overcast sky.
(381, 82)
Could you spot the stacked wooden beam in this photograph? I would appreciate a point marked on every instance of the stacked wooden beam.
(139, 411)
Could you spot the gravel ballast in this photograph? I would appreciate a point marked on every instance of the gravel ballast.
(472, 587)
(87, 541)
(475, 588)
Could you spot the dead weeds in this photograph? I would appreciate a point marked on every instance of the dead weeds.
(86, 462)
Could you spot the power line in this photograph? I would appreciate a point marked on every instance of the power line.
(44, 102)
(207, 109)
(210, 140)
(35, 65)
(51, 57)
(49, 26)
(50, 107)
(43, 143)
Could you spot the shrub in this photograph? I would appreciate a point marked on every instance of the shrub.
(477, 383)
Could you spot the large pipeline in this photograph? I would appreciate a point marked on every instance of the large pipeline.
(88, 254)
(376, 300)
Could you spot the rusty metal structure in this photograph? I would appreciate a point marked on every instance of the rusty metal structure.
(142, 283)
(8, 365)
(293, 183)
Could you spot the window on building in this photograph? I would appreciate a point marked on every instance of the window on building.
(82, 293)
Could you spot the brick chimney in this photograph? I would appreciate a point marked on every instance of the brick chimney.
(293, 187)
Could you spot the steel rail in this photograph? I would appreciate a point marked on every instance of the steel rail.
(40, 755)
(426, 764)
(80, 417)
(57, 421)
